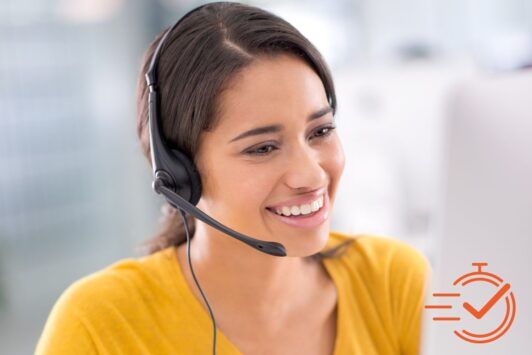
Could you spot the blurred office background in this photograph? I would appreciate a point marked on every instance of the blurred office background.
(75, 190)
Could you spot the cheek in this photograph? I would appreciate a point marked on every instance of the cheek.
(229, 187)
(239, 189)
(334, 158)
(254, 185)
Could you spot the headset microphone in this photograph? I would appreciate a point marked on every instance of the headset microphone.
(177, 201)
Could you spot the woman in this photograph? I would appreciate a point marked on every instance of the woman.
(225, 71)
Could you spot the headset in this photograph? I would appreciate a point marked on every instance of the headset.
(176, 177)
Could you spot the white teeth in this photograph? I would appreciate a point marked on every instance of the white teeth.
(295, 210)
(302, 209)
(305, 209)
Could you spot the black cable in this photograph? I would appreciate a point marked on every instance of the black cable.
(197, 283)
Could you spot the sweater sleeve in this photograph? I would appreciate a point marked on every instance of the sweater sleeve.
(65, 331)
(409, 276)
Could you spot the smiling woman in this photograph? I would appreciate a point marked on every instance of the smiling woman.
(251, 101)
(296, 160)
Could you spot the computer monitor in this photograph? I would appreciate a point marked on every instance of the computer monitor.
(485, 219)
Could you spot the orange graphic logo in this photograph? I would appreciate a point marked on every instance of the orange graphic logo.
(501, 295)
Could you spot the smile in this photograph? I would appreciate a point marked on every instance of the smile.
(304, 209)
(303, 216)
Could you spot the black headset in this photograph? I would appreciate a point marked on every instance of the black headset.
(176, 177)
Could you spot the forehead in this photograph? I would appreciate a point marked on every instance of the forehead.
(271, 90)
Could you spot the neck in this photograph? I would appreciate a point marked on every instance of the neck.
(242, 280)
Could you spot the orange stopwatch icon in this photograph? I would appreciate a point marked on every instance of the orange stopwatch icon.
(501, 294)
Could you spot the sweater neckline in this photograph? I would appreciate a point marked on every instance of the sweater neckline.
(223, 343)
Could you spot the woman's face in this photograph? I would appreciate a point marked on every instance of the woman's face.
(248, 176)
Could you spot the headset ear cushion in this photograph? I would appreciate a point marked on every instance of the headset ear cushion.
(191, 189)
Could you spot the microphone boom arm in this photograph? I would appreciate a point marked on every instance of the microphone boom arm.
(271, 248)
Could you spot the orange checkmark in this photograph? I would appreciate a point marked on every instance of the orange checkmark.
(487, 306)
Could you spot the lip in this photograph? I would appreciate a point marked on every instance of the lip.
(311, 221)
(306, 199)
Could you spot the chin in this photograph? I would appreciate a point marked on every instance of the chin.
(306, 242)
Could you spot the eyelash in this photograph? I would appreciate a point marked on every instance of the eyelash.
(255, 152)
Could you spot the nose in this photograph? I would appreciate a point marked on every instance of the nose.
(305, 170)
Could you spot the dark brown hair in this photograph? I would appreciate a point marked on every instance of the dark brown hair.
(197, 61)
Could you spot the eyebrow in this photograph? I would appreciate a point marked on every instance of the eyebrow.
(276, 128)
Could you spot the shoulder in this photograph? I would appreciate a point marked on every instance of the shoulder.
(99, 301)
(381, 253)
(116, 288)
(109, 284)
(119, 283)
(393, 271)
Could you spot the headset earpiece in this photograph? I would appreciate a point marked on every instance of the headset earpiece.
(171, 167)
(186, 176)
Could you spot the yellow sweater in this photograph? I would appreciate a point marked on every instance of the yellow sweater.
(145, 306)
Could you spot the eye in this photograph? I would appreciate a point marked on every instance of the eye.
(266, 149)
(324, 131)
(262, 150)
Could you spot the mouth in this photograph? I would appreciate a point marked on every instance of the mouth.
(300, 217)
